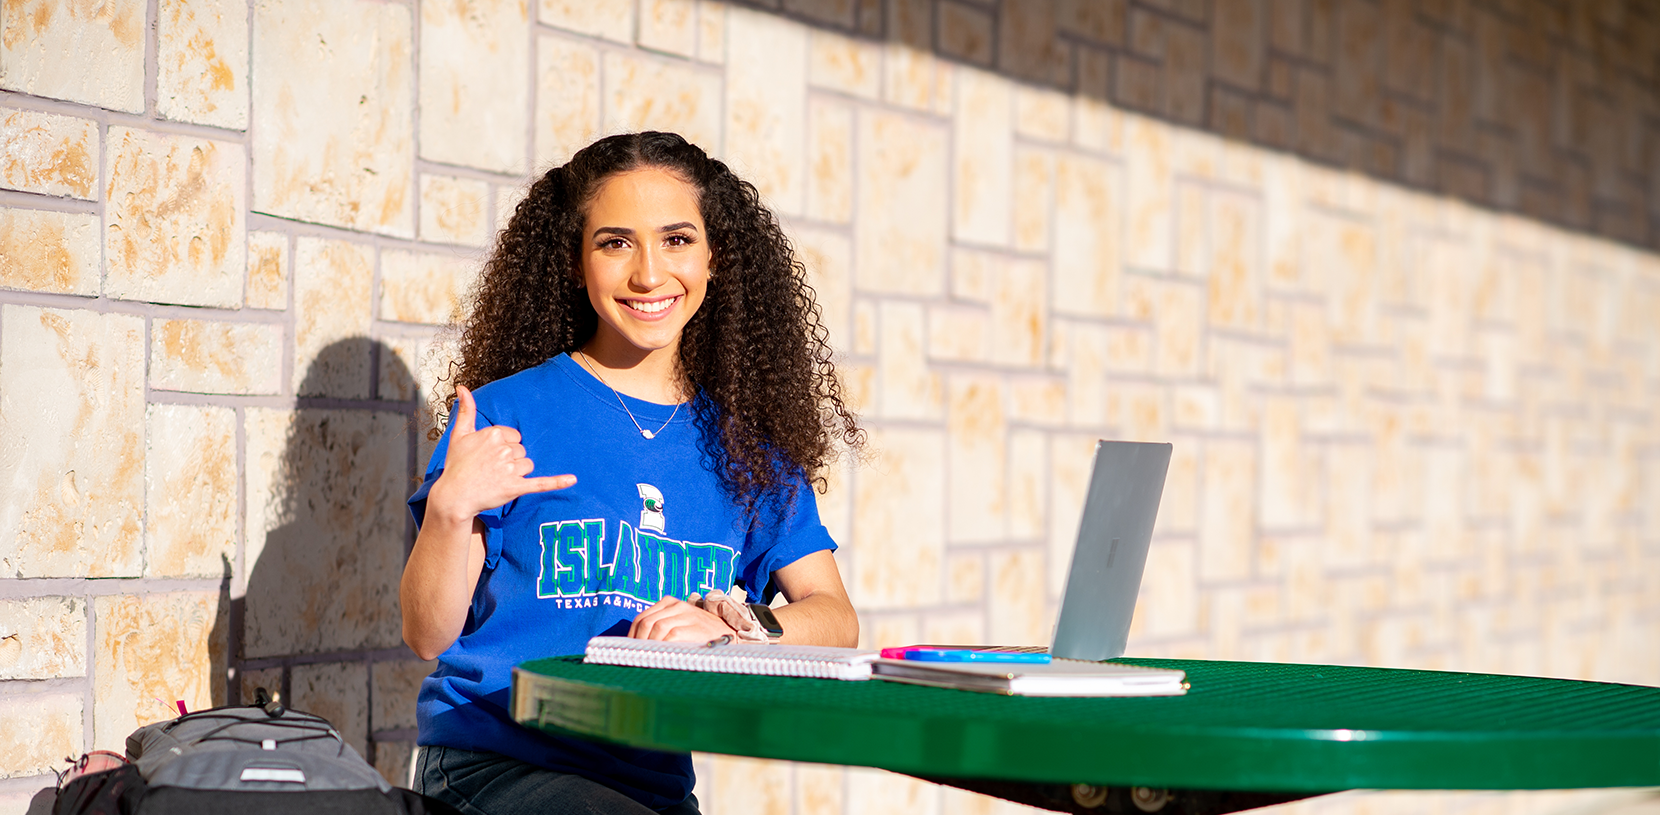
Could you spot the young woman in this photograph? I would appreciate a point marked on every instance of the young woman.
(644, 400)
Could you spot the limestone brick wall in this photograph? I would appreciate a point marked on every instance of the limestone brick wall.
(1384, 273)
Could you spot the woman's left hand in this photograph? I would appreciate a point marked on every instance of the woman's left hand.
(674, 620)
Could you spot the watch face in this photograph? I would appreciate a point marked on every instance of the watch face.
(768, 620)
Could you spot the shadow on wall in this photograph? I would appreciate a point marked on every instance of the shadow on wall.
(1540, 114)
(327, 535)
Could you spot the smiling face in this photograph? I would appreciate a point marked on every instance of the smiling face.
(645, 264)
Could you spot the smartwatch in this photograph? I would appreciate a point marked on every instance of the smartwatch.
(768, 620)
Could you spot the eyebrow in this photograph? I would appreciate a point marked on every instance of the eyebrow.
(626, 232)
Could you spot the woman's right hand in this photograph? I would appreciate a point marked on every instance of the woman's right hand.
(484, 469)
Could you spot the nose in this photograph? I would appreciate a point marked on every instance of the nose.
(650, 270)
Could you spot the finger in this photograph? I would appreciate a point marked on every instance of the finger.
(466, 413)
(546, 483)
(646, 620)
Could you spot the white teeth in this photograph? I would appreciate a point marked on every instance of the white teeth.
(652, 308)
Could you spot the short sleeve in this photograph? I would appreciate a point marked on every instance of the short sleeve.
(435, 468)
(787, 529)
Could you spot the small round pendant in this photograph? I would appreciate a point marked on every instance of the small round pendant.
(648, 434)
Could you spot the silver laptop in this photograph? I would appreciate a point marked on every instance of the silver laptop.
(1109, 557)
(1111, 553)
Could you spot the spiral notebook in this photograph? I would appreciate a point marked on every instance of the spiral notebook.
(814, 661)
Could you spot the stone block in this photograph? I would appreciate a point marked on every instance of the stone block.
(908, 65)
(42, 638)
(1101, 21)
(959, 334)
(977, 429)
(1138, 84)
(41, 729)
(202, 62)
(75, 394)
(898, 518)
(649, 94)
(907, 388)
(838, 13)
(1027, 45)
(983, 159)
(394, 689)
(1028, 457)
(1016, 611)
(395, 761)
(1168, 605)
(711, 31)
(87, 53)
(749, 786)
(965, 33)
(1038, 400)
(836, 62)
(819, 789)
(669, 26)
(400, 357)
(1148, 153)
(1042, 114)
(1174, 309)
(878, 792)
(1285, 488)
(965, 578)
(1019, 322)
(567, 99)
(345, 157)
(954, 627)
(473, 82)
(1236, 281)
(899, 223)
(173, 229)
(830, 161)
(419, 287)
(190, 506)
(766, 106)
(1034, 198)
(339, 692)
(326, 529)
(48, 154)
(455, 210)
(331, 318)
(1089, 218)
(1085, 363)
(1237, 44)
(267, 285)
(1227, 517)
(200, 356)
(1096, 124)
(49, 251)
(828, 256)
(607, 19)
(1185, 75)
(149, 647)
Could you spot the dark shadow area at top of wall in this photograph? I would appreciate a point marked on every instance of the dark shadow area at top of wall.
(1545, 108)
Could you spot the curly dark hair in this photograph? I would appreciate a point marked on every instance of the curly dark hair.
(756, 350)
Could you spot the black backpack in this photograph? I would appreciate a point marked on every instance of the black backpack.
(263, 760)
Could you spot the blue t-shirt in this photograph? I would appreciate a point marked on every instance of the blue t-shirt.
(646, 519)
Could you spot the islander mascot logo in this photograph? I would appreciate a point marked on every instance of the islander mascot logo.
(651, 510)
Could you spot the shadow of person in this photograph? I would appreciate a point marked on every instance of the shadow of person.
(327, 532)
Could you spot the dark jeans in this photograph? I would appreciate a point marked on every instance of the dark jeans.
(491, 784)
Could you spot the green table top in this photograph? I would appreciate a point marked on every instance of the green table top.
(1243, 726)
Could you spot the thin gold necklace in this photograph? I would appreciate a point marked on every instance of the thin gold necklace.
(644, 432)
